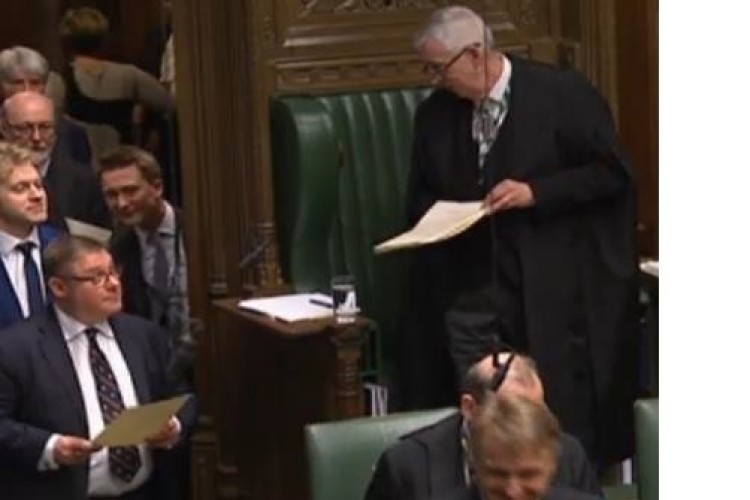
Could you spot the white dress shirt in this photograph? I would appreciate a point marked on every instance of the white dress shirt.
(13, 260)
(101, 480)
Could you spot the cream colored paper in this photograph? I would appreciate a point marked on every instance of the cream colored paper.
(290, 308)
(444, 220)
(90, 231)
(136, 424)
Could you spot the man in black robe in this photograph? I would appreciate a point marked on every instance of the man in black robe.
(552, 270)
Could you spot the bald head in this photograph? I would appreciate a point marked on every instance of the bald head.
(29, 121)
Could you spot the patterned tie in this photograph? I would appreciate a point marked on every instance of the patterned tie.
(34, 294)
(124, 461)
(486, 121)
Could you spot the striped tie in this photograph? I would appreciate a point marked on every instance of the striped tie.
(124, 461)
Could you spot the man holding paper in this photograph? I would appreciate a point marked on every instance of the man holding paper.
(552, 269)
(67, 374)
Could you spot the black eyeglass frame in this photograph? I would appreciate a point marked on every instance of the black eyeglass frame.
(440, 69)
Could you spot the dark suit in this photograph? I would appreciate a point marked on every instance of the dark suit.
(73, 191)
(10, 309)
(40, 395)
(554, 493)
(73, 141)
(431, 460)
(557, 280)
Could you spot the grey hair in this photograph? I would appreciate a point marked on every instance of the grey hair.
(455, 27)
(20, 60)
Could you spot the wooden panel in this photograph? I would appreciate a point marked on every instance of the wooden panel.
(639, 120)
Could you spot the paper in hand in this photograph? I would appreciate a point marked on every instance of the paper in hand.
(134, 425)
(90, 231)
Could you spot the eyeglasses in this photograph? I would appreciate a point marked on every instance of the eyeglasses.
(26, 129)
(98, 279)
(440, 69)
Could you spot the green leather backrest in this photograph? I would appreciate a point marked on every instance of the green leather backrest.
(342, 455)
(647, 448)
(340, 165)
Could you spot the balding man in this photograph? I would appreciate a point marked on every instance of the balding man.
(72, 188)
(432, 460)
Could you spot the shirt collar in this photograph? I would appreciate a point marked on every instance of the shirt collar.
(9, 242)
(168, 225)
(73, 328)
(497, 91)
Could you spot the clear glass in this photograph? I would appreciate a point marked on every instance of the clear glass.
(344, 295)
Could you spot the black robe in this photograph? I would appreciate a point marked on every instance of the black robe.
(558, 280)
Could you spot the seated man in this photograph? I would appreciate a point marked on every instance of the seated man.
(513, 448)
(23, 236)
(432, 460)
(66, 374)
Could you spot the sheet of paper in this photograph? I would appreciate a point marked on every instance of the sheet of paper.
(444, 220)
(650, 267)
(136, 424)
(85, 230)
(294, 307)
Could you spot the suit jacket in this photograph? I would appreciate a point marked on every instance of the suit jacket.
(430, 461)
(10, 309)
(557, 280)
(73, 191)
(554, 493)
(73, 140)
(40, 395)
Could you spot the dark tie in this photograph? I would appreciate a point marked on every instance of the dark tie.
(33, 280)
(124, 461)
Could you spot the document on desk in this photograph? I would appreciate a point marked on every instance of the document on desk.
(444, 220)
(137, 423)
(290, 308)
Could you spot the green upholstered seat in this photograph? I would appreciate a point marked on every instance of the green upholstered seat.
(647, 448)
(342, 455)
(340, 167)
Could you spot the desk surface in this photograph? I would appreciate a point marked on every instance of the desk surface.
(295, 329)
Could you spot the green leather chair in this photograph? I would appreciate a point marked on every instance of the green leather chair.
(647, 448)
(340, 167)
(342, 455)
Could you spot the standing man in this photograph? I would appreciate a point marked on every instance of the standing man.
(66, 374)
(149, 244)
(22, 68)
(23, 236)
(552, 270)
(72, 190)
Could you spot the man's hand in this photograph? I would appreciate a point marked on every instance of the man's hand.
(509, 194)
(167, 436)
(72, 450)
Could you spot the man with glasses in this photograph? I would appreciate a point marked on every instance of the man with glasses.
(21, 69)
(29, 121)
(433, 460)
(23, 236)
(66, 374)
(553, 267)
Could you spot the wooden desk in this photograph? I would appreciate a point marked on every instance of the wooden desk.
(270, 379)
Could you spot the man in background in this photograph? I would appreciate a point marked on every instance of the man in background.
(22, 68)
(72, 190)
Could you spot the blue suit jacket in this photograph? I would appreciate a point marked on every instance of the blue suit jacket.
(10, 309)
(40, 395)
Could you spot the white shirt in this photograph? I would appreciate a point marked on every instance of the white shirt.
(101, 480)
(13, 261)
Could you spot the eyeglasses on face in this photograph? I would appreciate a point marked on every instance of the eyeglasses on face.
(440, 69)
(98, 279)
(27, 129)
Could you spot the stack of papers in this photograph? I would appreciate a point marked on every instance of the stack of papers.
(289, 308)
(85, 230)
(444, 220)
